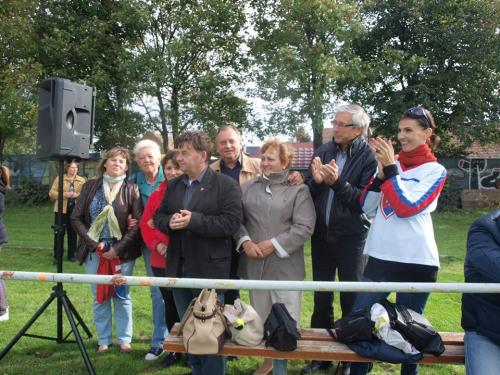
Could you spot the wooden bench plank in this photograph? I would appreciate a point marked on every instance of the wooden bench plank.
(313, 345)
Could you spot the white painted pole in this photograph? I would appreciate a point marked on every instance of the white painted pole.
(321, 286)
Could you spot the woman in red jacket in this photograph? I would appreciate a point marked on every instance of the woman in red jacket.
(157, 242)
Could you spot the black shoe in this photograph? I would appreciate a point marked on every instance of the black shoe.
(315, 366)
(170, 359)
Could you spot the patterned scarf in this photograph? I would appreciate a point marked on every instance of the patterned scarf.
(108, 213)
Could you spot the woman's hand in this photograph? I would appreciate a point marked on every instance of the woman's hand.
(266, 248)
(384, 153)
(162, 249)
(131, 222)
(251, 249)
(110, 254)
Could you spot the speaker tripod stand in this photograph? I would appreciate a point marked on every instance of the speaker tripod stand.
(59, 295)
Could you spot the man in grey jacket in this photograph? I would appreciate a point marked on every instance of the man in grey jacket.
(339, 171)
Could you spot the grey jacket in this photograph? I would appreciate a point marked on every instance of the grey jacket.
(274, 210)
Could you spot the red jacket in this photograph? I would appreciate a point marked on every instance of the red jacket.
(153, 237)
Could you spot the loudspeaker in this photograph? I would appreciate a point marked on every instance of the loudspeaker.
(65, 119)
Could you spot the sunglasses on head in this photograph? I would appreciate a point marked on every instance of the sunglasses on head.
(419, 112)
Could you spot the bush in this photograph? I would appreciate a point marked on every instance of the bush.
(450, 196)
(29, 192)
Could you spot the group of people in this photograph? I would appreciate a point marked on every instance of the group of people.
(359, 198)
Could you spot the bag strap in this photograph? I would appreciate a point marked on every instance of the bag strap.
(187, 314)
(332, 333)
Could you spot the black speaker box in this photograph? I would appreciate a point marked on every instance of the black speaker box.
(65, 119)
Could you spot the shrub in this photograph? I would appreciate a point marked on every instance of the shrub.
(30, 192)
(450, 196)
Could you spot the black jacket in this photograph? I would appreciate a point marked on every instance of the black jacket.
(481, 312)
(206, 244)
(346, 218)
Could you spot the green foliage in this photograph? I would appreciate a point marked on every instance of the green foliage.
(30, 192)
(440, 54)
(302, 48)
(92, 42)
(19, 72)
(189, 61)
(450, 197)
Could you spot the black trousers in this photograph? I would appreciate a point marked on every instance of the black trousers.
(344, 258)
(171, 316)
(70, 232)
(231, 294)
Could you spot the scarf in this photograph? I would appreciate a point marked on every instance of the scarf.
(414, 158)
(108, 267)
(108, 212)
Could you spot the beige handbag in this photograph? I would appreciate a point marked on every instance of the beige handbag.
(203, 325)
(245, 325)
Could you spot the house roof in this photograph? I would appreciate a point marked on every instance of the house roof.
(478, 151)
(302, 156)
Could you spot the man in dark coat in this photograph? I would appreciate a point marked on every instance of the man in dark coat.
(339, 171)
(481, 311)
(200, 211)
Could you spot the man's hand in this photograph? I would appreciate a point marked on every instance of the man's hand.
(180, 220)
(266, 247)
(316, 170)
(295, 178)
(330, 172)
(251, 249)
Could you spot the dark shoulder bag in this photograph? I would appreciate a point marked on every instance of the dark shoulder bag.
(280, 329)
(355, 326)
(414, 327)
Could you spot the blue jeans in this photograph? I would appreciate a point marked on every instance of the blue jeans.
(279, 366)
(482, 356)
(103, 314)
(379, 270)
(200, 364)
(159, 324)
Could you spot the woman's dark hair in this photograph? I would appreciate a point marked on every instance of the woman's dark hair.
(426, 120)
(170, 155)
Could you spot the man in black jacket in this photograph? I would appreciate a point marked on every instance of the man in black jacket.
(201, 210)
(339, 171)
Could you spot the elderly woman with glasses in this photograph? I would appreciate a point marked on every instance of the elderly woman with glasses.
(401, 197)
(108, 245)
(148, 178)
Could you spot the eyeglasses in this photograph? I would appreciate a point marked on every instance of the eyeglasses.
(341, 125)
(419, 112)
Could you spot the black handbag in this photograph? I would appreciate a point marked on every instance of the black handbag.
(414, 327)
(280, 329)
(355, 326)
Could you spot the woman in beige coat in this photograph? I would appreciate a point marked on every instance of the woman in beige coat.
(278, 219)
(72, 186)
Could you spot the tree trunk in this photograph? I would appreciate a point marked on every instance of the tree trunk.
(163, 119)
(174, 113)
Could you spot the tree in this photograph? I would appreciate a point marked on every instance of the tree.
(301, 135)
(440, 54)
(189, 60)
(18, 76)
(301, 50)
(91, 42)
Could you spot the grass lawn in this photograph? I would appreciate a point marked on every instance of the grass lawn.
(30, 249)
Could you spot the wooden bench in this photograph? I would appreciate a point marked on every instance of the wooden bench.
(316, 344)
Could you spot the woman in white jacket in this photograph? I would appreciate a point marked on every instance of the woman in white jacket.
(400, 198)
